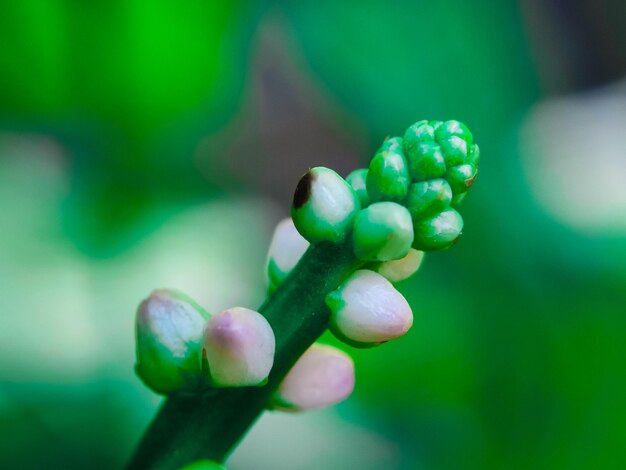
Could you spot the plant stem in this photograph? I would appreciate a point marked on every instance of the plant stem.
(209, 425)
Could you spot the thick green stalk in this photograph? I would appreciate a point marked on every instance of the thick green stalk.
(209, 425)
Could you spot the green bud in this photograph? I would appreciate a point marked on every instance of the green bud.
(454, 128)
(204, 465)
(428, 197)
(439, 231)
(357, 179)
(324, 205)
(426, 161)
(383, 231)
(419, 132)
(392, 144)
(454, 151)
(461, 178)
(169, 341)
(388, 176)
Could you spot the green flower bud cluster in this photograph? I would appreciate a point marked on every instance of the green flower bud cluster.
(443, 162)
(406, 198)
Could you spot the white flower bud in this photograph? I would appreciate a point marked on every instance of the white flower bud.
(169, 340)
(286, 249)
(367, 310)
(323, 376)
(400, 269)
(238, 347)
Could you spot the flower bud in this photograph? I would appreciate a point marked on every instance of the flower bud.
(461, 178)
(324, 206)
(388, 176)
(426, 161)
(439, 231)
(452, 128)
(382, 231)
(323, 376)
(286, 249)
(357, 179)
(403, 268)
(367, 310)
(169, 340)
(238, 348)
(427, 198)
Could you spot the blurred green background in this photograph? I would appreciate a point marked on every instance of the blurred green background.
(147, 144)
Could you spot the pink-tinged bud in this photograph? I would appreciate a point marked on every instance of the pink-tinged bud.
(238, 347)
(367, 310)
(286, 249)
(323, 376)
(168, 331)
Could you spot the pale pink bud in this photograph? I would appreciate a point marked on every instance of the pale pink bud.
(238, 347)
(322, 376)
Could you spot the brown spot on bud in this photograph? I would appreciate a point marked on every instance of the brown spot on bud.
(303, 190)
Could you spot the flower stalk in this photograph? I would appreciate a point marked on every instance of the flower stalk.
(365, 233)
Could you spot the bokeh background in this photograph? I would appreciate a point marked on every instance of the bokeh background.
(146, 144)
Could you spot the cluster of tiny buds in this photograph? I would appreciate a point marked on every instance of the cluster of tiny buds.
(405, 199)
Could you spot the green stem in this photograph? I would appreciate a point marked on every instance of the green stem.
(209, 425)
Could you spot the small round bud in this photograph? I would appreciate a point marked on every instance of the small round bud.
(367, 310)
(461, 178)
(324, 205)
(382, 231)
(357, 179)
(419, 132)
(388, 176)
(403, 268)
(238, 348)
(168, 332)
(454, 150)
(428, 197)
(453, 128)
(322, 376)
(426, 161)
(286, 249)
(439, 231)
(204, 465)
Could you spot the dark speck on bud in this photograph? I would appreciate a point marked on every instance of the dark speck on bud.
(303, 190)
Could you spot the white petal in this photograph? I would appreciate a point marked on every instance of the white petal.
(401, 269)
(368, 310)
(286, 249)
(323, 376)
(239, 348)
